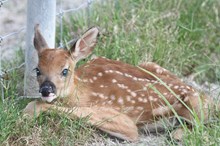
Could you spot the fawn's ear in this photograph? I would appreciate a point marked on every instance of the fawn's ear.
(39, 42)
(84, 45)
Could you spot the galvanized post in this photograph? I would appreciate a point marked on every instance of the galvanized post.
(41, 12)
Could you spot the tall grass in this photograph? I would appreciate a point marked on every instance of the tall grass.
(181, 36)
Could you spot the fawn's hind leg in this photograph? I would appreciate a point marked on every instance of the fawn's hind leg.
(201, 105)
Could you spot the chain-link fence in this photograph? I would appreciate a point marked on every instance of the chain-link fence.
(61, 12)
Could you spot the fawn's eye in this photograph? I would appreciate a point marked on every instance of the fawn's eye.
(37, 71)
(65, 72)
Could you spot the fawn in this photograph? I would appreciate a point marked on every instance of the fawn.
(117, 96)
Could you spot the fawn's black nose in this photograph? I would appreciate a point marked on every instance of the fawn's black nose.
(46, 88)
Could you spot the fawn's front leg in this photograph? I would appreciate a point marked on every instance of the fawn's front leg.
(34, 108)
(105, 119)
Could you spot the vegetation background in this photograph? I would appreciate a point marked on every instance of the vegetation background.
(181, 36)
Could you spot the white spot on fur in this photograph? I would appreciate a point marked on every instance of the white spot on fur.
(101, 96)
(130, 76)
(196, 94)
(78, 78)
(100, 74)
(114, 80)
(153, 81)
(155, 99)
(118, 72)
(152, 92)
(144, 100)
(120, 100)
(133, 94)
(176, 87)
(126, 87)
(182, 86)
(94, 94)
(179, 105)
(140, 79)
(165, 93)
(140, 108)
(185, 91)
(170, 85)
(122, 86)
(127, 75)
(133, 101)
(182, 93)
(146, 80)
(94, 78)
(140, 99)
(119, 85)
(159, 70)
(151, 98)
(188, 87)
(135, 78)
(128, 98)
(102, 86)
(112, 97)
(110, 102)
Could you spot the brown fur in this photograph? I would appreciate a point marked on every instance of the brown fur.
(116, 96)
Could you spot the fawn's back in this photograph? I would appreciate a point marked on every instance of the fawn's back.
(132, 91)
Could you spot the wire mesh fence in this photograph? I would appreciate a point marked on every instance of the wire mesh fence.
(61, 12)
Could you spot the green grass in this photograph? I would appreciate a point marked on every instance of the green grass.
(48, 129)
(182, 36)
(201, 130)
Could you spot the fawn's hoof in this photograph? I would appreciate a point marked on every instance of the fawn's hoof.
(178, 134)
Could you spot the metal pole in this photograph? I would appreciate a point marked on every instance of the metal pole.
(1, 72)
(88, 12)
(1, 86)
(41, 12)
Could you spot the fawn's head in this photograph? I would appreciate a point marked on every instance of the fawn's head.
(55, 70)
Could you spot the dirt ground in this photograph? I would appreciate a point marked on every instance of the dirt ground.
(13, 18)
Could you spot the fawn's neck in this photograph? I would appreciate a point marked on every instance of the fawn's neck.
(78, 93)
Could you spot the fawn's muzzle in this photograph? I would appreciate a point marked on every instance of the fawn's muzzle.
(47, 88)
